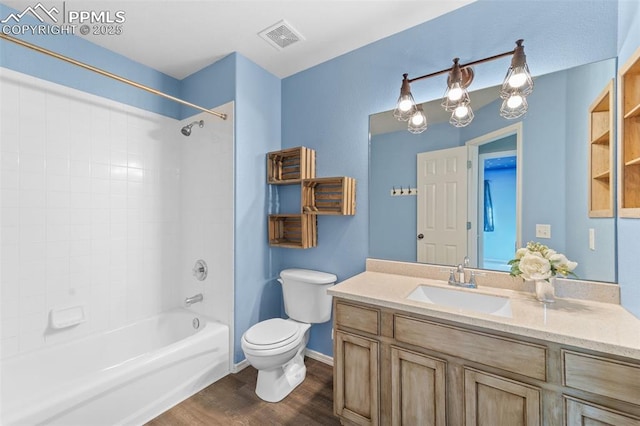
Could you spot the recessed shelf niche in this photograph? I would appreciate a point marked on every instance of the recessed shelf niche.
(629, 190)
(601, 154)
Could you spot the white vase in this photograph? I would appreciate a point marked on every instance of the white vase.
(546, 290)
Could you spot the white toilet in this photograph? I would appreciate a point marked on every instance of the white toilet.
(275, 347)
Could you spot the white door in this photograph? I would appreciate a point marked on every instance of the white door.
(442, 206)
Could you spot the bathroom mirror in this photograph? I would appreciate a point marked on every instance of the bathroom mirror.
(551, 154)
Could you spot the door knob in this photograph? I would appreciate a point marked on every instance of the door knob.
(420, 236)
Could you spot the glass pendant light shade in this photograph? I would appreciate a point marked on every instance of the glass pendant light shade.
(406, 105)
(514, 106)
(462, 115)
(418, 121)
(518, 77)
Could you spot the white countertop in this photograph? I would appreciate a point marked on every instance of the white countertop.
(604, 327)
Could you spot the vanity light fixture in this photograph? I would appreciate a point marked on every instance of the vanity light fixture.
(517, 85)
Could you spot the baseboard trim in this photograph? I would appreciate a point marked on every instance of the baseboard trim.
(240, 366)
(319, 357)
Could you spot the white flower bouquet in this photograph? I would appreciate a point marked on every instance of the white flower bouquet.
(538, 262)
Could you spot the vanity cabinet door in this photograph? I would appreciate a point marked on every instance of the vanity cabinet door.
(579, 413)
(356, 381)
(417, 389)
(495, 401)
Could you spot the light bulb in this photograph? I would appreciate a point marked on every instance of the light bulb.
(461, 111)
(455, 93)
(462, 115)
(514, 106)
(517, 79)
(417, 119)
(405, 105)
(514, 101)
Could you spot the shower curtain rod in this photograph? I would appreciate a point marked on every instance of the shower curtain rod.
(108, 74)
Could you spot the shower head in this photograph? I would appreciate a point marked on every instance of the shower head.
(186, 130)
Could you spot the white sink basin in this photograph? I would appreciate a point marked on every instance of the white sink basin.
(464, 300)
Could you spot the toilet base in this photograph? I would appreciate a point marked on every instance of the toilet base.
(273, 385)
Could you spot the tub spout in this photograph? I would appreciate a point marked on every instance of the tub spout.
(193, 299)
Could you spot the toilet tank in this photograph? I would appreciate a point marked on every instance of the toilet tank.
(305, 294)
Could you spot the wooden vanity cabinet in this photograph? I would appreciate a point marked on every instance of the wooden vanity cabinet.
(418, 389)
(397, 368)
(356, 380)
(495, 400)
(584, 413)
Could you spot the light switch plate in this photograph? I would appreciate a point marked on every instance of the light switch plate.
(592, 239)
(543, 231)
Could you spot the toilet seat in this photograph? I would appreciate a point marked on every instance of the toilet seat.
(271, 334)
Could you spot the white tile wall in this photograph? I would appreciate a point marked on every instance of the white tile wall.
(94, 211)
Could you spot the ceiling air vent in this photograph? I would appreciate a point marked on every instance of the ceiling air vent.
(281, 35)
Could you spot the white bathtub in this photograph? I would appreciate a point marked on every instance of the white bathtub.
(122, 377)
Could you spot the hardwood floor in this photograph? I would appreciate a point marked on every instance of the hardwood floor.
(232, 401)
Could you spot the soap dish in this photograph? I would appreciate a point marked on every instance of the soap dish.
(66, 317)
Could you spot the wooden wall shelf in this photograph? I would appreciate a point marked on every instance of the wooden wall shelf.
(319, 196)
(601, 154)
(293, 230)
(629, 168)
(290, 166)
(329, 196)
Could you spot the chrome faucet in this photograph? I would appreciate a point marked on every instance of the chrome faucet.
(457, 276)
(193, 299)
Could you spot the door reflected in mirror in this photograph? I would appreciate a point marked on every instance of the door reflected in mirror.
(551, 180)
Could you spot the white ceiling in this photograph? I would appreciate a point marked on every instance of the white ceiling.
(179, 37)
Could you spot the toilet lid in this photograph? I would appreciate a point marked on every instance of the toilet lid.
(272, 331)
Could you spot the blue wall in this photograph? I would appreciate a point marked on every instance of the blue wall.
(258, 296)
(211, 86)
(327, 107)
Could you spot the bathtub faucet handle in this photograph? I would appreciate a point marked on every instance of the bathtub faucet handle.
(200, 270)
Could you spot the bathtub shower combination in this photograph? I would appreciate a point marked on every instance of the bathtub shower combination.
(125, 376)
(105, 207)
